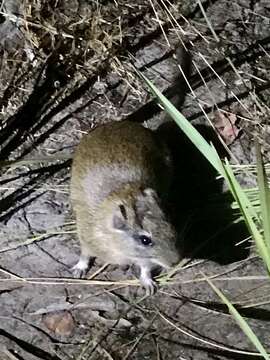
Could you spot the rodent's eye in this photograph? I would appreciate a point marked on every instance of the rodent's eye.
(145, 240)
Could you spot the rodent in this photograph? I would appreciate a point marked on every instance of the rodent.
(120, 177)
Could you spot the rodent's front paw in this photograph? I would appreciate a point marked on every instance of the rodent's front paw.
(150, 286)
(80, 269)
(78, 273)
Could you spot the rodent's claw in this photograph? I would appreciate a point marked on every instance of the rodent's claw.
(150, 286)
(80, 269)
(146, 280)
(78, 273)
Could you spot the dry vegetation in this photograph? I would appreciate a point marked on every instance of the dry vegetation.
(66, 67)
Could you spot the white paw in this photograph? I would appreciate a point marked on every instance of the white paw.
(80, 269)
(150, 286)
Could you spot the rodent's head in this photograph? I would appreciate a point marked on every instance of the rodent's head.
(140, 230)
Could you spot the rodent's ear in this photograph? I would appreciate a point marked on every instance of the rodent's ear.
(119, 218)
(148, 203)
(151, 195)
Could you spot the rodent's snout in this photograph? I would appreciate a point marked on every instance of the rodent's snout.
(175, 259)
(170, 258)
(173, 255)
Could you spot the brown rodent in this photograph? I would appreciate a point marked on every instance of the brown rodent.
(120, 174)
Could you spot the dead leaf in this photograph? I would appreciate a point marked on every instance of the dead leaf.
(61, 323)
(225, 125)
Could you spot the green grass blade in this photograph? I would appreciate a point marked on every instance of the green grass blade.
(241, 322)
(238, 193)
(264, 196)
(248, 211)
(186, 127)
(207, 150)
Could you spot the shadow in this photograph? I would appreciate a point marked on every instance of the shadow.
(249, 55)
(230, 100)
(234, 354)
(45, 101)
(25, 195)
(201, 212)
(250, 312)
(28, 347)
(175, 93)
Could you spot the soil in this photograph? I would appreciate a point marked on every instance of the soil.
(67, 67)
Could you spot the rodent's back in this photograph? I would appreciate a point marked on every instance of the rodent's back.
(116, 154)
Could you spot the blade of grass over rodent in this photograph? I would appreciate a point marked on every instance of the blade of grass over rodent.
(186, 127)
(240, 321)
(248, 211)
(264, 196)
(202, 145)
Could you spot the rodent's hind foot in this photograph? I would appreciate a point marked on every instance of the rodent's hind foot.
(147, 282)
(80, 269)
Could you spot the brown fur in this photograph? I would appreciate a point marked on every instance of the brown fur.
(121, 172)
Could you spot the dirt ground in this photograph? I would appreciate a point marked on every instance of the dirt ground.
(66, 67)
